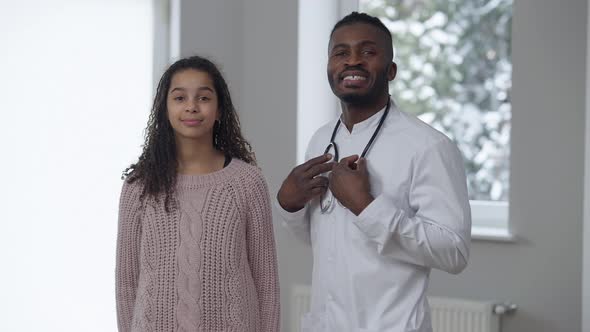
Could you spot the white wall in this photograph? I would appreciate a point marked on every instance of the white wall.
(256, 44)
(215, 29)
(586, 255)
(315, 18)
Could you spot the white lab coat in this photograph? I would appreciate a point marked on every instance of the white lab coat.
(371, 271)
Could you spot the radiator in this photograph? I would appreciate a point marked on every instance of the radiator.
(448, 314)
(458, 315)
(300, 302)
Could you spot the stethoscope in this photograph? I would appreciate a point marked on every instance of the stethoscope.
(326, 203)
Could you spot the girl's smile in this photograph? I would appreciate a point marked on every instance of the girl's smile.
(192, 122)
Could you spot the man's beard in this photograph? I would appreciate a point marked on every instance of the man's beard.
(358, 99)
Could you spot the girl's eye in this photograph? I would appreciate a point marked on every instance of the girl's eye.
(203, 98)
(179, 98)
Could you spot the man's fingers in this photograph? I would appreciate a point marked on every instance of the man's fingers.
(319, 169)
(318, 181)
(317, 191)
(362, 164)
(315, 161)
(348, 161)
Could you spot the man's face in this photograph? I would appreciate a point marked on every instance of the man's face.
(359, 63)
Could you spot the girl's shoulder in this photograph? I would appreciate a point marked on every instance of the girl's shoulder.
(131, 189)
(130, 200)
(248, 173)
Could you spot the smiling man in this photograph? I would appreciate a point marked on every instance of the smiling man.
(382, 197)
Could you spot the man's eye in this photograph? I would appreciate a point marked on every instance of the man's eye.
(369, 52)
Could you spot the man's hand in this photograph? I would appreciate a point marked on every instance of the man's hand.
(349, 182)
(304, 183)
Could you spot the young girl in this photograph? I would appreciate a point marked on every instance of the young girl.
(195, 248)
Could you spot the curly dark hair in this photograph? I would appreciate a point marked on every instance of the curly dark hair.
(157, 166)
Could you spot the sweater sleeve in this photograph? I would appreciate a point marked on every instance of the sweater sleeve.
(262, 254)
(127, 265)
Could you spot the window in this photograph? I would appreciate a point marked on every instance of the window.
(455, 74)
(77, 88)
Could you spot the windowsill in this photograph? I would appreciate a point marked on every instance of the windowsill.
(482, 233)
(490, 221)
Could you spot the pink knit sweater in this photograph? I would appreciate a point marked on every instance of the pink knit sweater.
(209, 265)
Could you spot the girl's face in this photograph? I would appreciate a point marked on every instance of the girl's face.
(192, 104)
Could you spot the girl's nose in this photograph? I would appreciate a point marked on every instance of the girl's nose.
(192, 107)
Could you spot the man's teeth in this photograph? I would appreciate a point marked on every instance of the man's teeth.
(354, 78)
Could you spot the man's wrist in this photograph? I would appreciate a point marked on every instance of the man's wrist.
(287, 207)
(361, 204)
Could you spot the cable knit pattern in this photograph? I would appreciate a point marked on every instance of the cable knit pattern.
(189, 261)
(209, 264)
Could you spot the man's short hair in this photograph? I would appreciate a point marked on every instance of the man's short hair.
(356, 17)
